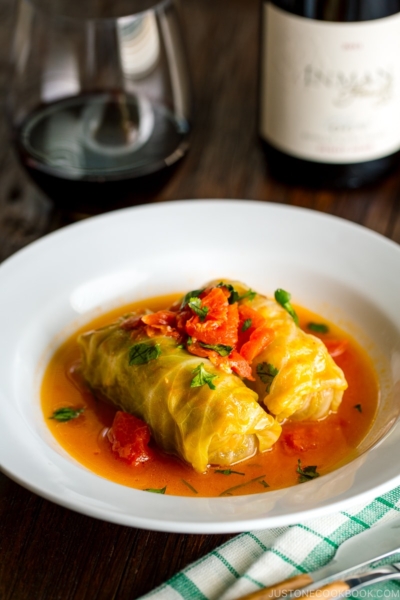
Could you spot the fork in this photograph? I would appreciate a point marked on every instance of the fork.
(296, 588)
(353, 583)
(383, 574)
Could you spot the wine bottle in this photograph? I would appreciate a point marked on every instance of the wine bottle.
(330, 90)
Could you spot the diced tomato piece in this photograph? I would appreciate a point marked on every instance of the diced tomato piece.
(162, 322)
(213, 331)
(240, 365)
(181, 319)
(217, 303)
(249, 320)
(258, 341)
(216, 359)
(336, 347)
(299, 439)
(223, 288)
(161, 317)
(197, 350)
(129, 438)
(132, 322)
(216, 317)
(246, 312)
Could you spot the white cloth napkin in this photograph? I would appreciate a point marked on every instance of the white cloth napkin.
(257, 559)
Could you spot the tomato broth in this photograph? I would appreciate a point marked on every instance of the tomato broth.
(304, 449)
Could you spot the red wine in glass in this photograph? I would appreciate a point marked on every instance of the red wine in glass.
(89, 151)
(99, 102)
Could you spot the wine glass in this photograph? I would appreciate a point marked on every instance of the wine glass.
(99, 97)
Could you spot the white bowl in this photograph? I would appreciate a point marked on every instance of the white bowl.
(340, 270)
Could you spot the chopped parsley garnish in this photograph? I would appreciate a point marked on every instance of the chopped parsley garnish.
(246, 324)
(156, 491)
(283, 298)
(249, 295)
(266, 373)
(358, 407)
(221, 349)
(189, 486)
(201, 377)
(144, 352)
(263, 483)
(234, 296)
(195, 305)
(229, 491)
(189, 296)
(228, 472)
(66, 414)
(318, 327)
(306, 473)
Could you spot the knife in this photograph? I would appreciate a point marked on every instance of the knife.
(366, 548)
(363, 549)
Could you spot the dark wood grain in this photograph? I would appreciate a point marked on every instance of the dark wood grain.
(48, 552)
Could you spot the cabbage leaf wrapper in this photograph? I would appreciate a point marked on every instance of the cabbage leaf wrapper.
(203, 426)
(303, 382)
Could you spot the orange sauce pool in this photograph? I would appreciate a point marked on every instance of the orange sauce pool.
(330, 442)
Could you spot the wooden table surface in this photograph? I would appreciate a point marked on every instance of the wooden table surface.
(48, 552)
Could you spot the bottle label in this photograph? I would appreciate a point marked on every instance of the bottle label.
(330, 92)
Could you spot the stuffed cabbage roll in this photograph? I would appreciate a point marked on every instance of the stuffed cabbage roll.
(294, 376)
(214, 420)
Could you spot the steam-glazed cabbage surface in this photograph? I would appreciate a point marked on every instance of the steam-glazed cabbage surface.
(308, 383)
(201, 425)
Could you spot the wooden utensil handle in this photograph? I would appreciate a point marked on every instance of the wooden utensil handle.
(330, 590)
(280, 589)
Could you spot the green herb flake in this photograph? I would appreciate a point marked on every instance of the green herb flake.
(229, 491)
(249, 295)
(283, 298)
(306, 473)
(200, 311)
(189, 296)
(66, 414)
(221, 349)
(191, 488)
(358, 407)
(156, 491)
(246, 325)
(234, 296)
(228, 472)
(266, 373)
(201, 377)
(264, 483)
(144, 352)
(318, 327)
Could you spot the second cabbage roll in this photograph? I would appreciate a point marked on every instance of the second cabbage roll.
(152, 377)
(295, 376)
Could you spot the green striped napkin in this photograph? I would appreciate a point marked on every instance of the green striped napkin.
(256, 559)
